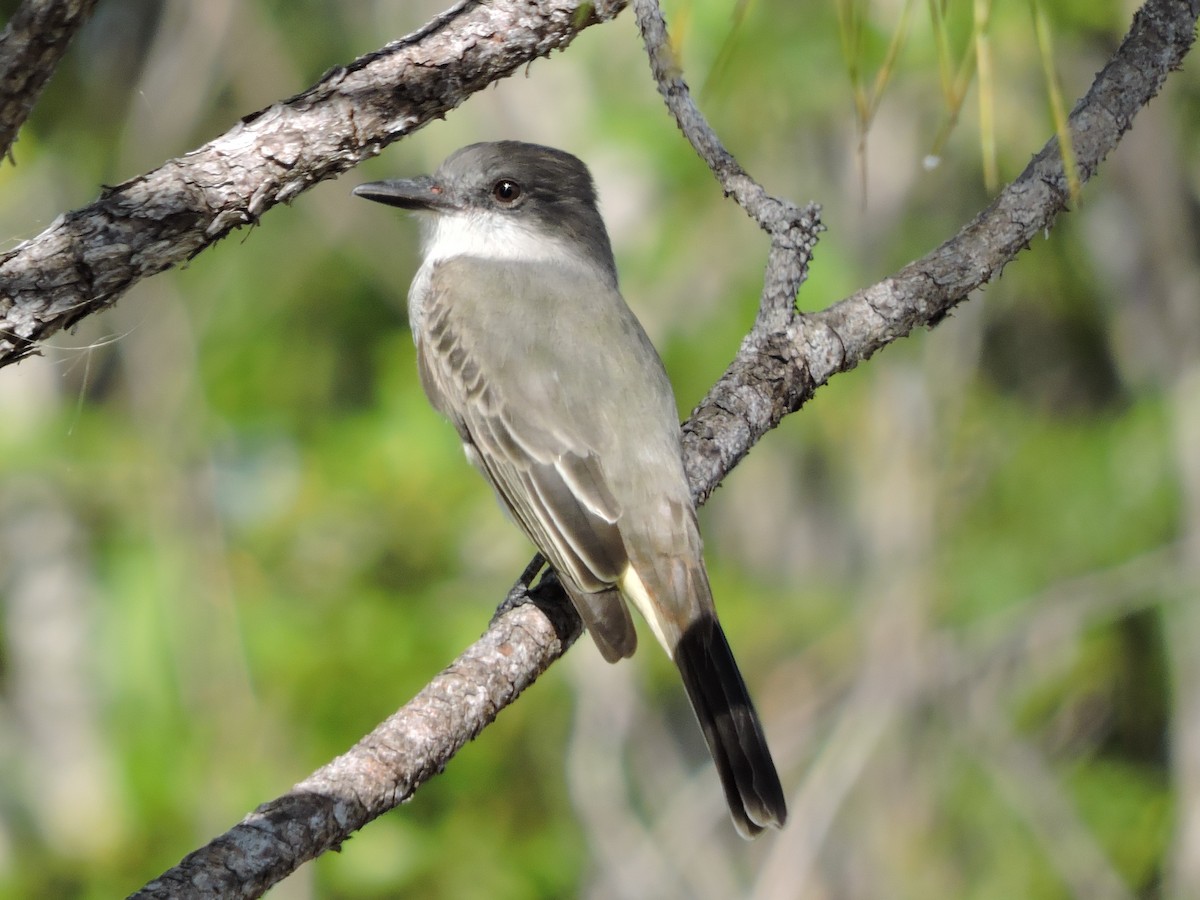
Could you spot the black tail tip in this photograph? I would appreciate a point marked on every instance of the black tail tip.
(731, 728)
(755, 814)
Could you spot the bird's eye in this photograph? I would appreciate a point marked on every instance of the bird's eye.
(506, 191)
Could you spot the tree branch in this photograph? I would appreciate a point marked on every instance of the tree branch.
(31, 47)
(723, 428)
(87, 258)
(384, 768)
(778, 368)
(783, 360)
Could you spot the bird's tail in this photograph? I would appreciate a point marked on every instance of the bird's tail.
(731, 727)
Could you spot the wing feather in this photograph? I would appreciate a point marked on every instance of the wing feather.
(535, 394)
(544, 470)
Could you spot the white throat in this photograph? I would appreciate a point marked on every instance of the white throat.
(488, 235)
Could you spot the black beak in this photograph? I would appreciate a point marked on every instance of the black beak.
(421, 193)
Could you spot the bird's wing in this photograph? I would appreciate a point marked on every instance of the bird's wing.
(544, 469)
(540, 392)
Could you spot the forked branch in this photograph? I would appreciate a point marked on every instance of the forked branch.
(88, 258)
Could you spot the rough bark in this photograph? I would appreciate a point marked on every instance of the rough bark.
(384, 768)
(89, 257)
(784, 359)
(781, 364)
(33, 43)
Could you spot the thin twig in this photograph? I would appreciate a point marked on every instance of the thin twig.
(793, 229)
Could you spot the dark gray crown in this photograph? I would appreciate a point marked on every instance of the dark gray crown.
(556, 190)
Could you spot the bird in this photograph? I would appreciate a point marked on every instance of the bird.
(525, 343)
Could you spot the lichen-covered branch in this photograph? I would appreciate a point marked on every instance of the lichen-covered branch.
(87, 258)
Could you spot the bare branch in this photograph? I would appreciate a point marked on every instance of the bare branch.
(87, 258)
(781, 363)
(778, 369)
(31, 47)
(739, 395)
(924, 292)
(389, 764)
(793, 229)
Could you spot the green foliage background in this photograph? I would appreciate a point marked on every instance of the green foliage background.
(233, 536)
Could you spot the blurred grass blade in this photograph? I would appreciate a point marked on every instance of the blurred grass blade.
(1046, 50)
(976, 62)
(716, 74)
(987, 98)
(883, 76)
(941, 40)
(850, 19)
